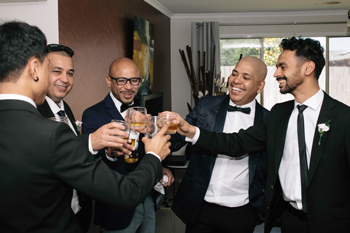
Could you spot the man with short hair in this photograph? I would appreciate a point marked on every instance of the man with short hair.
(124, 80)
(307, 142)
(61, 73)
(219, 193)
(41, 161)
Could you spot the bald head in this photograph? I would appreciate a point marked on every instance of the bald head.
(257, 67)
(123, 68)
(247, 80)
(123, 63)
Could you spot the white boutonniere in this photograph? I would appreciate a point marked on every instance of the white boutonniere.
(323, 129)
(78, 124)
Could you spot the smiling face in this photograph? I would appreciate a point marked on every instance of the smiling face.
(61, 76)
(288, 72)
(125, 68)
(247, 80)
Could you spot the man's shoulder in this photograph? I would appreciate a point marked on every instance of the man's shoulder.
(100, 106)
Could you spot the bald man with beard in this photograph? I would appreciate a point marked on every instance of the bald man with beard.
(219, 193)
(124, 80)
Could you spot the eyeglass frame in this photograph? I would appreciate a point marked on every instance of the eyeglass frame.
(58, 48)
(127, 80)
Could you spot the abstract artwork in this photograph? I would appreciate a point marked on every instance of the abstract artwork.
(143, 52)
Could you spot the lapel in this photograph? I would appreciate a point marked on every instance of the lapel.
(45, 110)
(112, 109)
(325, 114)
(219, 125)
(254, 159)
(281, 131)
(70, 117)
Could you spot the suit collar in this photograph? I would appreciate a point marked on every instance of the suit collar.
(282, 126)
(14, 104)
(326, 113)
(112, 108)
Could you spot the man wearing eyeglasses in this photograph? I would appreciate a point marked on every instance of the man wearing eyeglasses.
(124, 80)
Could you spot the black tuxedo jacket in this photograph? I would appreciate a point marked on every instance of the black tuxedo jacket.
(41, 160)
(93, 118)
(210, 114)
(85, 213)
(328, 191)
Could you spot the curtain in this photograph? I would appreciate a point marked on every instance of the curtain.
(204, 36)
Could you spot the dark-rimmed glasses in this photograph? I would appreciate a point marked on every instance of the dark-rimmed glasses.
(122, 81)
(58, 47)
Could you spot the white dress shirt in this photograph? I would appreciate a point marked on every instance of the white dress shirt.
(55, 109)
(289, 170)
(229, 182)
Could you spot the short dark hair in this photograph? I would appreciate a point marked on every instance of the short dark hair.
(306, 50)
(18, 43)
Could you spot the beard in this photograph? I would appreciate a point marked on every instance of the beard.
(291, 83)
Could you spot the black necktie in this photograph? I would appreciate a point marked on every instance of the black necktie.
(235, 108)
(125, 107)
(61, 113)
(302, 154)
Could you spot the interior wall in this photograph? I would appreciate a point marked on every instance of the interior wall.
(100, 32)
(181, 37)
(44, 15)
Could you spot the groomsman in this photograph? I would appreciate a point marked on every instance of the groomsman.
(124, 80)
(307, 142)
(219, 193)
(61, 73)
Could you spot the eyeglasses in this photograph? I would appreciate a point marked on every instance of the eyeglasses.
(122, 81)
(58, 47)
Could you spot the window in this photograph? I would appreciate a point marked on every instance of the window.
(268, 50)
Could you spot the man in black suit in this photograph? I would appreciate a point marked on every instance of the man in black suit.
(61, 73)
(41, 160)
(307, 184)
(124, 80)
(219, 193)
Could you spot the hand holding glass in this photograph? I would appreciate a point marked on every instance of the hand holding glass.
(137, 116)
(168, 119)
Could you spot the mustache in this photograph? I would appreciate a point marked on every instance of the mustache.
(128, 92)
(282, 78)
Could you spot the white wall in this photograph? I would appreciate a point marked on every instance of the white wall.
(181, 36)
(41, 14)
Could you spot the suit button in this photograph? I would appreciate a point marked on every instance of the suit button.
(271, 187)
(268, 207)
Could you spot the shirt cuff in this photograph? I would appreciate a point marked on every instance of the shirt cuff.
(150, 152)
(110, 158)
(195, 138)
(90, 147)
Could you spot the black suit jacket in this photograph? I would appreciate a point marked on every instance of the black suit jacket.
(328, 191)
(210, 114)
(93, 118)
(85, 213)
(41, 160)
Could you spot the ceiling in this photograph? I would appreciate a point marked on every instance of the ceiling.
(231, 6)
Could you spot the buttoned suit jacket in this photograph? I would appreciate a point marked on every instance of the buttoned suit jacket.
(41, 160)
(93, 118)
(328, 190)
(85, 213)
(210, 114)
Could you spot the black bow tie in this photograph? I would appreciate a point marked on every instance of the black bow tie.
(125, 107)
(235, 108)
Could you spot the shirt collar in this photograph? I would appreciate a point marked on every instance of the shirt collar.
(17, 97)
(314, 102)
(117, 102)
(250, 105)
(54, 107)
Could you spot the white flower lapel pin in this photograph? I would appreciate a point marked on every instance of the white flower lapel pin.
(78, 124)
(323, 129)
